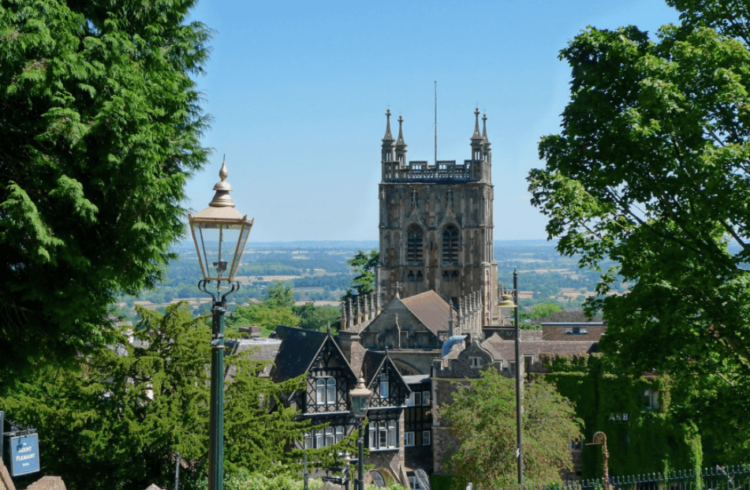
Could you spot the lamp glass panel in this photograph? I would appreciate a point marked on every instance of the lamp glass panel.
(359, 405)
(241, 242)
(217, 246)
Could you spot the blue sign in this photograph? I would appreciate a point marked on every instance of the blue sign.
(24, 455)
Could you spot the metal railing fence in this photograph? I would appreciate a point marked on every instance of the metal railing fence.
(717, 478)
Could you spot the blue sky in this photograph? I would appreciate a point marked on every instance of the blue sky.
(298, 92)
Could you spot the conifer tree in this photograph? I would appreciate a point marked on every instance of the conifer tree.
(99, 130)
(119, 420)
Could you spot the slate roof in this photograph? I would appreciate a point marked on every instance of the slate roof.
(371, 365)
(431, 310)
(298, 350)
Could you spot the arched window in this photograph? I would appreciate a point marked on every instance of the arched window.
(420, 278)
(410, 276)
(450, 245)
(414, 248)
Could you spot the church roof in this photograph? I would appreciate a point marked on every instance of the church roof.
(430, 309)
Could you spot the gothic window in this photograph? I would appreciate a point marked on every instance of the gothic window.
(454, 276)
(420, 278)
(414, 248)
(325, 391)
(450, 245)
(410, 276)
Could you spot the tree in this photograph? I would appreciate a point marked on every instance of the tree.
(651, 170)
(317, 317)
(483, 419)
(118, 421)
(364, 264)
(279, 295)
(99, 130)
(275, 310)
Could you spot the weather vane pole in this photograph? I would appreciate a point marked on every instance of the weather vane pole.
(436, 122)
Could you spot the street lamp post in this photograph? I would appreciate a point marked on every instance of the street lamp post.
(513, 303)
(360, 398)
(220, 233)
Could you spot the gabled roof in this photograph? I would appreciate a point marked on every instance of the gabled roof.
(430, 309)
(372, 365)
(299, 349)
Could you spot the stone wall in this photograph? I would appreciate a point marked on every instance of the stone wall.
(382, 333)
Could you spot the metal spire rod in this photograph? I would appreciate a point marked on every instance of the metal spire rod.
(436, 122)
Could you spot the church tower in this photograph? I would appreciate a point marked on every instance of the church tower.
(436, 225)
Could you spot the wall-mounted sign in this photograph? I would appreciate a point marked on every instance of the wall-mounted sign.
(24, 454)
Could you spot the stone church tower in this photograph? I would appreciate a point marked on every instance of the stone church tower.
(436, 225)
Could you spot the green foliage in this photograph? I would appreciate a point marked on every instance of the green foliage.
(118, 420)
(101, 127)
(252, 481)
(651, 440)
(98, 426)
(318, 317)
(483, 419)
(650, 170)
(279, 295)
(275, 310)
(364, 264)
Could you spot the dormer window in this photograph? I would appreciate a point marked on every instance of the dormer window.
(475, 362)
(383, 386)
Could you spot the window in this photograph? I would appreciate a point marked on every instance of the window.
(325, 391)
(426, 395)
(331, 384)
(426, 438)
(410, 400)
(383, 434)
(475, 362)
(409, 439)
(414, 248)
(576, 445)
(329, 437)
(417, 398)
(320, 391)
(651, 399)
(308, 440)
(339, 433)
(319, 439)
(450, 245)
(383, 386)
(392, 434)
(412, 481)
(576, 330)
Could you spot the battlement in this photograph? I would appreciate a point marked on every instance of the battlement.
(444, 171)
